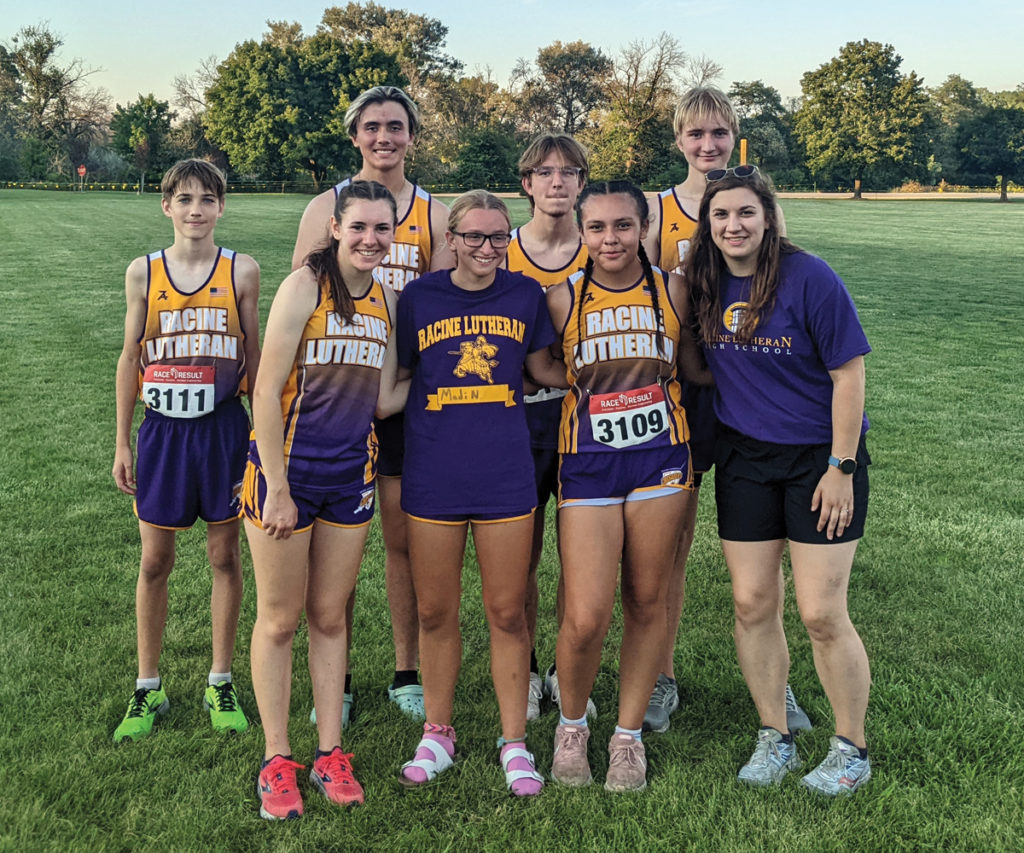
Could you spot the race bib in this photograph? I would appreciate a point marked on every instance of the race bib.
(628, 418)
(179, 390)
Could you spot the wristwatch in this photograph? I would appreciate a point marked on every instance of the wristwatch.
(847, 465)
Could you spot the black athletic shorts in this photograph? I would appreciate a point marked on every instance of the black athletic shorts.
(391, 445)
(545, 473)
(764, 490)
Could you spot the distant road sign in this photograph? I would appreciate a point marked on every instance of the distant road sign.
(81, 171)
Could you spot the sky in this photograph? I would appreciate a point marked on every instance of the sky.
(139, 48)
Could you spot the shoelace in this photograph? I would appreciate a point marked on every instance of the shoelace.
(763, 751)
(836, 759)
(337, 765)
(663, 694)
(628, 754)
(225, 696)
(790, 700)
(137, 705)
(282, 779)
(576, 739)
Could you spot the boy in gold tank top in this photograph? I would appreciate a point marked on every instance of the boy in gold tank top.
(191, 349)
(553, 170)
(706, 126)
(382, 123)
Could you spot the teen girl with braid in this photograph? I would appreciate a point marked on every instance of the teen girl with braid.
(624, 472)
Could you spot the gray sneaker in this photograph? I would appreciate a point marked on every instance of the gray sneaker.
(627, 764)
(664, 701)
(533, 696)
(551, 689)
(841, 773)
(773, 758)
(796, 717)
(569, 764)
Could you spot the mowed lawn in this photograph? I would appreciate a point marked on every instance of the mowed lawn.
(936, 589)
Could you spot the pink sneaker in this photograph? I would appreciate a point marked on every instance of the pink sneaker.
(627, 764)
(278, 789)
(332, 775)
(569, 764)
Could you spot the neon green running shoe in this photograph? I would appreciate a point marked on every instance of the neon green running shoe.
(226, 713)
(143, 707)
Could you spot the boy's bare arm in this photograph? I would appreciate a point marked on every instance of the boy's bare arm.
(314, 228)
(127, 377)
(247, 289)
(441, 257)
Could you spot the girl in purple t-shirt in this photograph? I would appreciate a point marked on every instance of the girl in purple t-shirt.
(786, 349)
(464, 337)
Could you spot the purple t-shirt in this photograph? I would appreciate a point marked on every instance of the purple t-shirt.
(467, 446)
(777, 387)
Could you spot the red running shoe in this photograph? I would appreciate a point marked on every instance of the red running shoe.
(333, 777)
(278, 789)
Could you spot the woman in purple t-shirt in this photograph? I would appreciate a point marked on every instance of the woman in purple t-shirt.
(786, 349)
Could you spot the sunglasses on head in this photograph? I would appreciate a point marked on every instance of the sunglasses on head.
(736, 171)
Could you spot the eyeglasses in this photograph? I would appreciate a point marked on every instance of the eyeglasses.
(546, 173)
(745, 171)
(474, 239)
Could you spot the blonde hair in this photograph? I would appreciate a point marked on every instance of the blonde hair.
(475, 200)
(381, 95)
(703, 103)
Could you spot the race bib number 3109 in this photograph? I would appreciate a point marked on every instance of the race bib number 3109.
(179, 390)
(628, 418)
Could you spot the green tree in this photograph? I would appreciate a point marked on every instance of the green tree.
(416, 41)
(992, 144)
(47, 100)
(487, 158)
(765, 124)
(140, 130)
(952, 102)
(277, 109)
(573, 77)
(756, 99)
(634, 138)
(861, 119)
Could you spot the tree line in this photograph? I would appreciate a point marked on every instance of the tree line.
(274, 109)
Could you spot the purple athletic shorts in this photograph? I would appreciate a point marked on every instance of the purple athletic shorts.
(189, 468)
(347, 503)
(606, 478)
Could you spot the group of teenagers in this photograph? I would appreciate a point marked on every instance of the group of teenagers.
(608, 353)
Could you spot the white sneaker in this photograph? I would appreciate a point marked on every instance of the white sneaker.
(551, 689)
(533, 697)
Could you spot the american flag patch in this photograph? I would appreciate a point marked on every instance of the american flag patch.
(376, 301)
(414, 228)
(218, 291)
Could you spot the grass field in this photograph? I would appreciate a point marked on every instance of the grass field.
(936, 590)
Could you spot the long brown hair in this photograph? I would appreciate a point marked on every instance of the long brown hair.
(640, 201)
(324, 262)
(704, 265)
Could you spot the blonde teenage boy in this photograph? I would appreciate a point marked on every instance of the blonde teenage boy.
(191, 350)
(706, 127)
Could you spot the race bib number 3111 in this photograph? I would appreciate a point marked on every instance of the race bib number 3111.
(627, 418)
(179, 390)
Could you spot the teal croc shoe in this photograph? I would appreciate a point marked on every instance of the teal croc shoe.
(409, 700)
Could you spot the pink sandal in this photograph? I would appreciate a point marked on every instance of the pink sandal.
(435, 753)
(521, 776)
